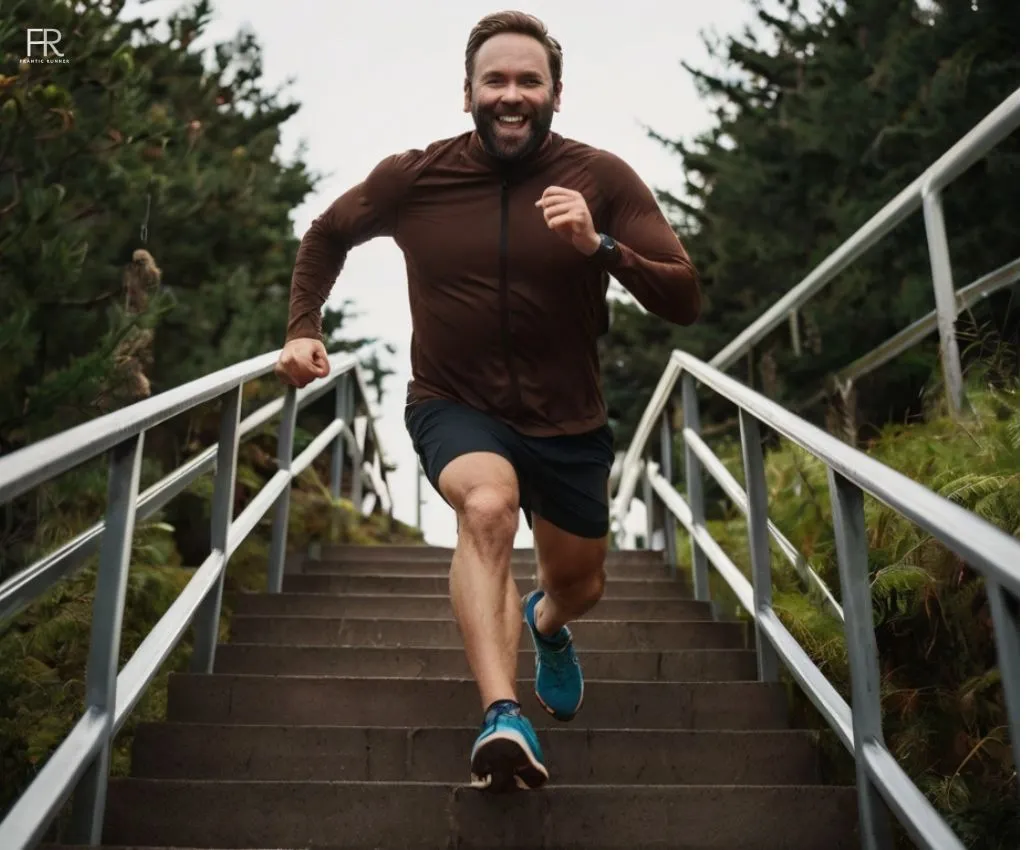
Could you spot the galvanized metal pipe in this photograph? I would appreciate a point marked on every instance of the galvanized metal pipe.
(846, 501)
(669, 522)
(90, 798)
(695, 484)
(208, 616)
(758, 541)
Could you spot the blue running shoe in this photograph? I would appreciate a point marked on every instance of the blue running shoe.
(558, 679)
(507, 754)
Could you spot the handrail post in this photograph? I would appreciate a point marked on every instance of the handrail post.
(944, 295)
(847, 506)
(1004, 615)
(338, 451)
(338, 444)
(90, 797)
(758, 542)
(280, 529)
(696, 497)
(208, 616)
(669, 520)
(357, 482)
(646, 494)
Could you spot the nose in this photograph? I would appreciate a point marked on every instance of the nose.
(511, 93)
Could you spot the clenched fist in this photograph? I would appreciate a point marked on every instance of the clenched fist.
(567, 214)
(302, 361)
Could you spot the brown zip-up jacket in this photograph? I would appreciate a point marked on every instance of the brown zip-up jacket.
(506, 313)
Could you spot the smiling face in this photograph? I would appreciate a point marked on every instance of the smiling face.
(511, 96)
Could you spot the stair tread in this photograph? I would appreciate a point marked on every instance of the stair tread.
(355, 700)
(341, 713)
(444, 632)
(386, 814)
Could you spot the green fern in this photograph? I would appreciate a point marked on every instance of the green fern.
(943, 704)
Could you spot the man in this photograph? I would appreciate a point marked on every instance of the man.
(509, 233)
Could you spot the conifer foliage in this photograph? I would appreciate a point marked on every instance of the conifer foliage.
(822, 114)
(134, 142)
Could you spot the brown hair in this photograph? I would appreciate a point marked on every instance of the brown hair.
(514, 22)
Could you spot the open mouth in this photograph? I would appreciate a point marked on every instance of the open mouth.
(511, 122)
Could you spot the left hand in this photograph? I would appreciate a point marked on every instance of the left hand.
(566, 213)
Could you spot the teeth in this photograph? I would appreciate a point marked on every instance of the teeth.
(511, 119)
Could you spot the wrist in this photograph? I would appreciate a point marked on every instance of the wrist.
(608, 251)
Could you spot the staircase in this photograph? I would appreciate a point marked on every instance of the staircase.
(342, 713)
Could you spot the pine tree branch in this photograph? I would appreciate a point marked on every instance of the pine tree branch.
(82, 302)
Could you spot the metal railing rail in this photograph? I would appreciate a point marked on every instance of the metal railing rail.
(880, 780)
(994, 281)
(965, 298)
(79, 766)
(922, 193)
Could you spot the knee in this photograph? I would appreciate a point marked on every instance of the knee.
(488, 516)
(593, 586)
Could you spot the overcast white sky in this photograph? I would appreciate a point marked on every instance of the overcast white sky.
(377, 78)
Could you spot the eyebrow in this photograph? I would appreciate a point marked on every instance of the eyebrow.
(525, 74)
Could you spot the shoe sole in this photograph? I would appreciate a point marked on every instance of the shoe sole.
(564, 718)
(503, 763)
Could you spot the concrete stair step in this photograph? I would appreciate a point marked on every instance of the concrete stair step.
(199, 813)
(440, 568)
(442, 554)
(440, 607)
(426, 585)
(378, 631)
(320, 700)
(430, 754)
(636, 665)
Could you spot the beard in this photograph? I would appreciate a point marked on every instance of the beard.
(512, 149)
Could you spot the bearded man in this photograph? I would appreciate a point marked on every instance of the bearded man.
(510, 233)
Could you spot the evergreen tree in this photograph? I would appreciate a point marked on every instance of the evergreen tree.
(136, 143)
(813, 135)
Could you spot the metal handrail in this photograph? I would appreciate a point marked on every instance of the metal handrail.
(922, 193)
(998, 279)
(80, 764)
(880, 780)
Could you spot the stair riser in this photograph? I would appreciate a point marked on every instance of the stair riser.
(442, 702)
(440, 569)
(193, 814)
(171, 751)
(677, 666)
(413, 585)
(440, 607)
(329, 631)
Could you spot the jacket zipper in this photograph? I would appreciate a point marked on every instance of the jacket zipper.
(507, 342)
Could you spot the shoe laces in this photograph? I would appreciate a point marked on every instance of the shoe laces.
(559, 662)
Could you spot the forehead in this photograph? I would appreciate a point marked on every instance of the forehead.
(511, 53)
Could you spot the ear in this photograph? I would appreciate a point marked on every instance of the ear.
(466, 95)
(557, 96)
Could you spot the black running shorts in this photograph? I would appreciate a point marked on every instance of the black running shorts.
(564, 479)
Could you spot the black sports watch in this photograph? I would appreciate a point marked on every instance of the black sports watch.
(608, 251)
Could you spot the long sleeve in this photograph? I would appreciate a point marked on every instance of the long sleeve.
(364, 212)
(653, 265)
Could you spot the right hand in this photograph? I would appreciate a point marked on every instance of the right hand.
(301, 361)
